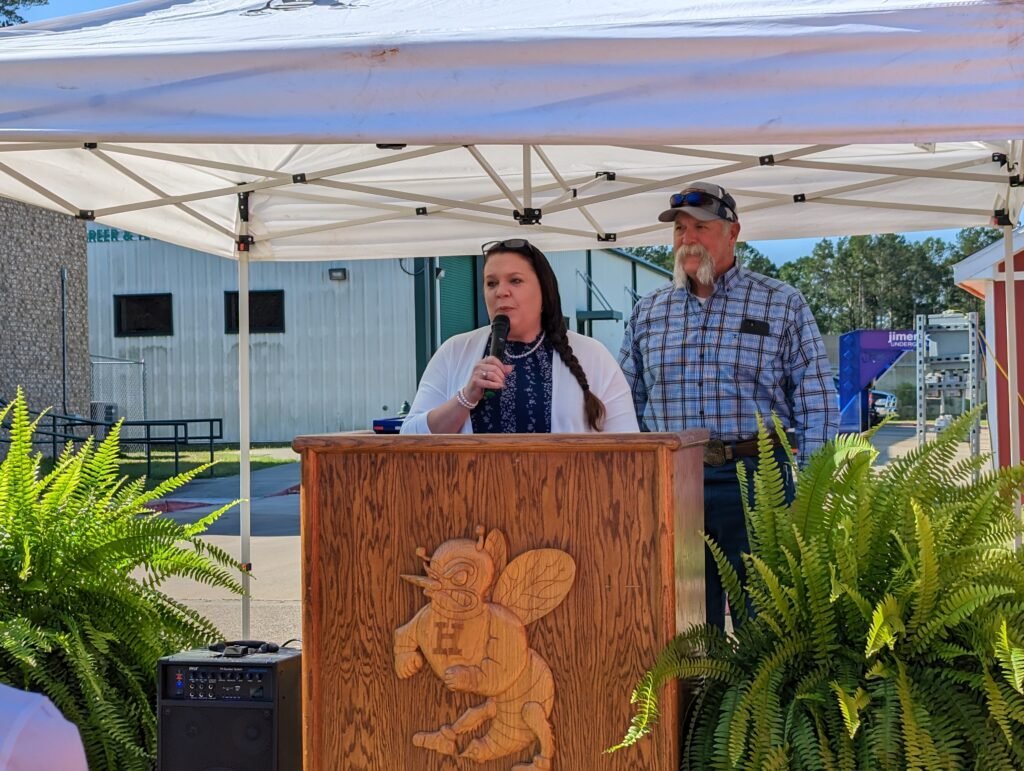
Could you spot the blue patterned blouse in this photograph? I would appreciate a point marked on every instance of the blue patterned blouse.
(523, 406)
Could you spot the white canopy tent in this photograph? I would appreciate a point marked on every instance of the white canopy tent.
(324, 129)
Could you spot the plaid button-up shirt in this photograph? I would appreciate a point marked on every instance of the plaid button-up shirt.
(752, 348)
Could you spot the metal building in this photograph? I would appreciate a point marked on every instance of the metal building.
(334, 344)
(336, 347)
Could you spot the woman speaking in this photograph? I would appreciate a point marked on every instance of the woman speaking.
(547, 380)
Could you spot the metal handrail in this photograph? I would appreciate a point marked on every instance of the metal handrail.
(593, 287)
(57, 430)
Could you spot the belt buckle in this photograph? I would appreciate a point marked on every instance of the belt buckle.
(714, 453)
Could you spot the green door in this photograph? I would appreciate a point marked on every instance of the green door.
(458, 296)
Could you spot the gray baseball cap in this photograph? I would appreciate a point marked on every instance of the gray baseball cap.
(703, 201)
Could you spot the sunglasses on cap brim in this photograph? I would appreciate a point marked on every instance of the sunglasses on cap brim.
(700, 200)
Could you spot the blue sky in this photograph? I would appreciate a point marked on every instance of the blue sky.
(64, 8)
(778, 251)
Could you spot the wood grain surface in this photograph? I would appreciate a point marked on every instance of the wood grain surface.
(626, 512)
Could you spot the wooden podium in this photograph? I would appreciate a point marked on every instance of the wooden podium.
(621, 511)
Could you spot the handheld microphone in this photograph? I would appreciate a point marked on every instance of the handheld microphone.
(499, 335)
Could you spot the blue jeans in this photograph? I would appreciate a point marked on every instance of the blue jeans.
(723, 521)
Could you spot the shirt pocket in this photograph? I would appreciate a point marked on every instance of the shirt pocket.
(753, 363)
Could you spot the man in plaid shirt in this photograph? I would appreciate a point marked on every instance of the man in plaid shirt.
(720, 348)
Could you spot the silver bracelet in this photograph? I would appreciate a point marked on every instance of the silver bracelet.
(460, 397)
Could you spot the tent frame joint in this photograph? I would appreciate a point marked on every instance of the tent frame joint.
(1001, 218)
(766, 160)
(608, 175)
(86, 214)
(800, 198)
(607, 237)
(298, 179)
(528, 216)
(243, 206)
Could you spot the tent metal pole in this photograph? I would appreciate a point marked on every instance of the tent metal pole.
(527, 177)
(207, 163)
(495, 176)
(418, 198)
(143, 182)
(67, 206)
(783, 199)
(682, 179)
(1013, 384)
(561, 181)
(244, 470)
(892, 171)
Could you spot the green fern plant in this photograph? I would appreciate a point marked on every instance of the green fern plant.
(82, 617)
(889, 621)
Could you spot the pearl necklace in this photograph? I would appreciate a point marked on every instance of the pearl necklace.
(536, 345)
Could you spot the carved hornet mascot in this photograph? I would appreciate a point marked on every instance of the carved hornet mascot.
(475, 641)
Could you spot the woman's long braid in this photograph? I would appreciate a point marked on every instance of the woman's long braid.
(593, 408)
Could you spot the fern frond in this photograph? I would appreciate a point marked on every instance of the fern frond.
(850, 706)
(818, 585)
(730, 581)
(781, 605)
(685, 657)
(927, 569)
(816, 481)
(1011, 658)
(886, 626)
(954, 609)
(917, 742)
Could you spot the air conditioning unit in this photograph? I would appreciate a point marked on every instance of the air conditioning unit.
(102, 412)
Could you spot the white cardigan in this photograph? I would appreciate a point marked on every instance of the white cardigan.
(450, 367)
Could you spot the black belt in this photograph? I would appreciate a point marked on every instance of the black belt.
(718, 453)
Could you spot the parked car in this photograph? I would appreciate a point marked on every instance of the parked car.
(387, 425)
(884, 403)
(881, 404)
(391, 425)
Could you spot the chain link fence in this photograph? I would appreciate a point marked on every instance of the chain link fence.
(119, 391)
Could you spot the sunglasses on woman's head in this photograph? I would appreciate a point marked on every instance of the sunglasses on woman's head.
(513, 244)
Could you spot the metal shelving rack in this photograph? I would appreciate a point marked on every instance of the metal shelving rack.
(947, 363)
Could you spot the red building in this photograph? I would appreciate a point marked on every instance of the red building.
(984, 275)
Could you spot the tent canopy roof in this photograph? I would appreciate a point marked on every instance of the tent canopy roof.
(823, 118)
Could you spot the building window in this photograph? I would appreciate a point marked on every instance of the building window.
(143, 315)
(266, 312)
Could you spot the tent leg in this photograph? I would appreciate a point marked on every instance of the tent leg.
(1013, 384)
(244, 471)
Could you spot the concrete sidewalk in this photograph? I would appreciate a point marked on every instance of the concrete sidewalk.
(274, 552)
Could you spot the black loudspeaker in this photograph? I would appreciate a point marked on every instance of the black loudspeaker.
(240, 712)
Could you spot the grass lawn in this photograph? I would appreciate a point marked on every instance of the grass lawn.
(133, 464)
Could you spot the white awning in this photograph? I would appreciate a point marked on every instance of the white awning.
(823, 118)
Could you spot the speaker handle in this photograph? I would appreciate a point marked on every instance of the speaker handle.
(258, 646)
